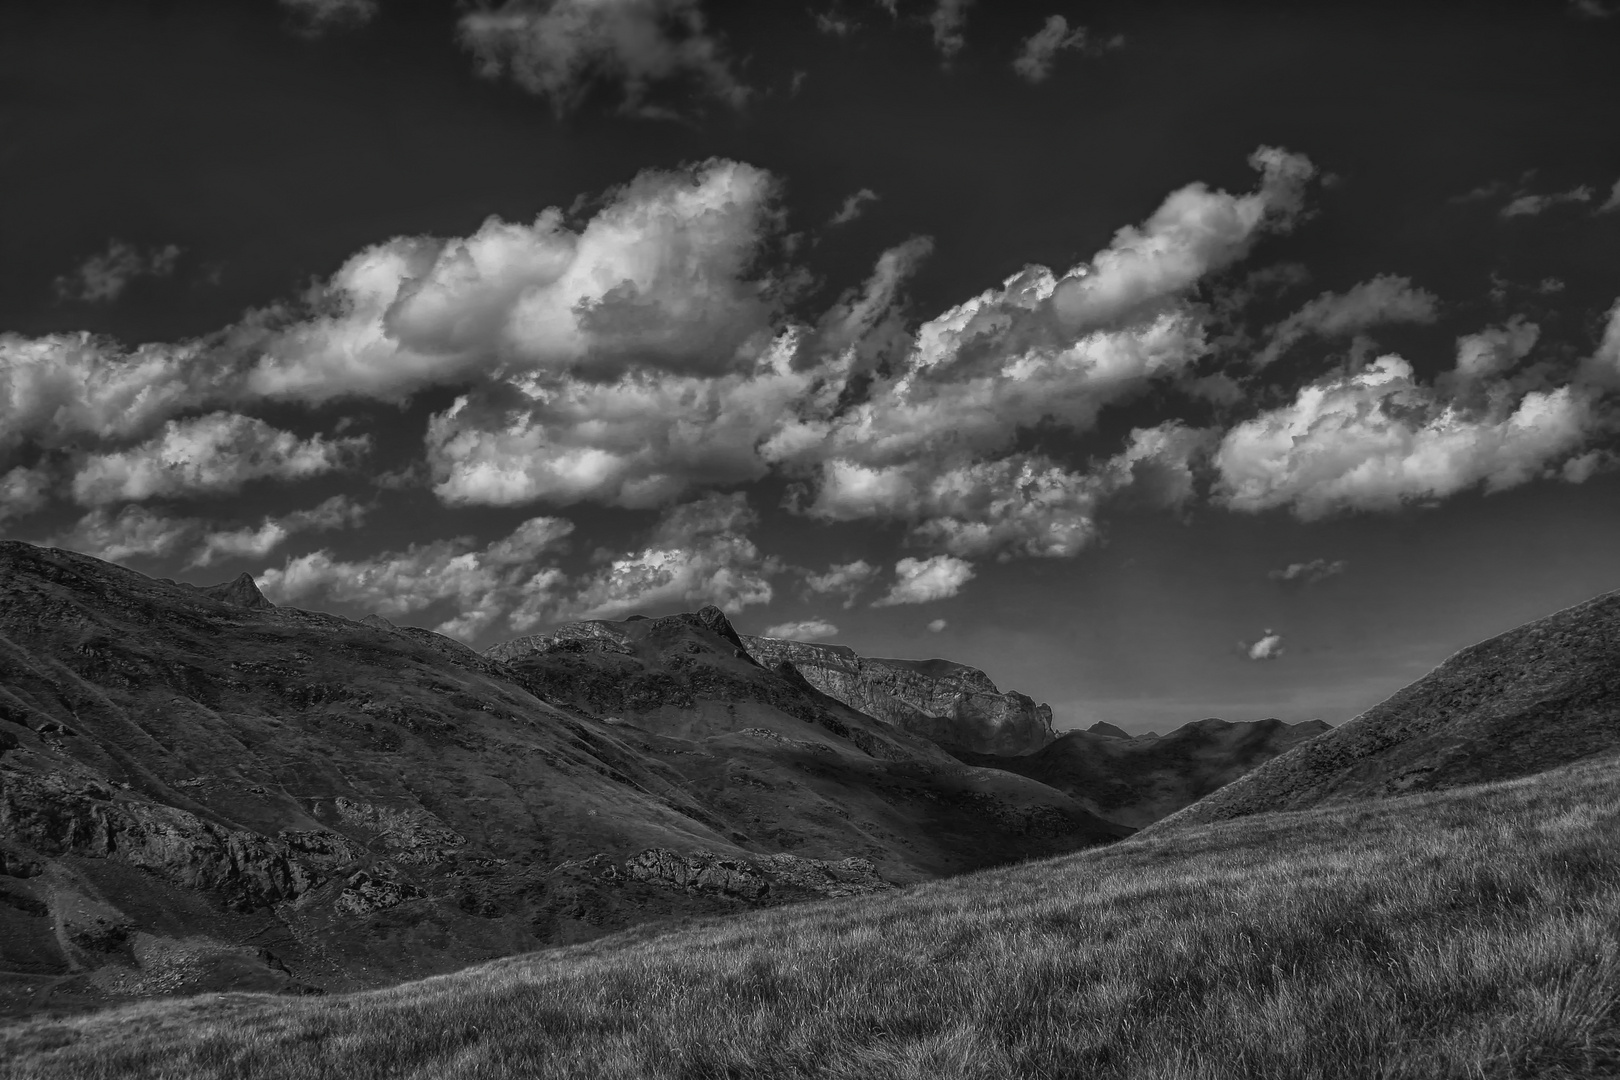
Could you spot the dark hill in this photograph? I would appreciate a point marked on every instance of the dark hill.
(1137, 781)
(199, 790)
(1542, 695)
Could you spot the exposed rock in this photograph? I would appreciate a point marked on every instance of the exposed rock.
(700, 870)
(956, 706)
(412, 834)
(365, 892)
(845, 877)
(593, 636)
(242, 592)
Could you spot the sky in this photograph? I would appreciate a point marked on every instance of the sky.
(1162, 360)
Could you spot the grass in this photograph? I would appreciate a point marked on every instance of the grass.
(1473, 933)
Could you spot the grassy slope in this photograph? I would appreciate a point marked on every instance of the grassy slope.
(1460, 934)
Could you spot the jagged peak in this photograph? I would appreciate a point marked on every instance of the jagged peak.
(242, 591)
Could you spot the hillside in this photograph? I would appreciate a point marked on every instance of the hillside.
(1461, 934)
(956, 706)
(1542, 695)
(1135, 782)
(199, 790)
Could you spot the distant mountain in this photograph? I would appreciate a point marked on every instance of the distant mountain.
(1542, 695)
(1107, 730)
(1136, 781)
(953, 705)
(200, 790)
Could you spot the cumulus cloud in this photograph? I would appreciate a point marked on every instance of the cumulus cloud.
(1039, 53)
(212, 454)
(845, 579)
(1384, 299)
(1528, 205)
(1309, 573)
(947, 21)
(1376, 439)
(808, 630)
(1268, 646)
(509, 577)
(698, 553)
(133, 531)
(255, 542)
(103, 277)
(1493, 351)
(561, 49)
(919, 581)
(853, 207)
(937, 625)
(1612, 203)
(23, 491)
(313, 18)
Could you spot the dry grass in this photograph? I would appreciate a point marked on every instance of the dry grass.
(1474, 933)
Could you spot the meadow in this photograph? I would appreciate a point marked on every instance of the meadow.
(1470, 933)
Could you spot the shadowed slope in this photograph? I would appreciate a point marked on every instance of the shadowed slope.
(1539, 696)
(1135, 782)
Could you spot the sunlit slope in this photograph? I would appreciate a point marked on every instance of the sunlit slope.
(1541, 695)
(1465, 933)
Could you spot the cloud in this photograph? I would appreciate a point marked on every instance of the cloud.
(1527, 205)
(1309, 573)
(560, 49)
(835, 22)
(317, 17)
(509, 577)
(255, 542)
(134, 531)
(1039, 54)
(1386, 298)
(937, 625)
(853, 207)
(1493, 351)
(809, 630)
(103, 278)
(1376, 440)
(1591, 9)
(1612, 203)
(1268, 646)
(947, 20)
(920, 581)
(22, 492)
(846, 579)
(212, 454)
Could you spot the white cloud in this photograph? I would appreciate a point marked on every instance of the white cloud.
(1309, 573)
(1528, 205)
(317, 17)
(104, 277)
(809, 630)
(1602, 368)
(134, 531)
(255, 542)
(1375, 440)
(919, 581)
(560, 49)
(698, 553)
(508, 577)
(1386, 298)
(853, 207)
(212, 454)
(846, 579)
(22, 492)
(1612, 203)
(1040, 49)
(1493, 351)
(1269, 646)
(937, 625)
(665, 276)
(947, 20)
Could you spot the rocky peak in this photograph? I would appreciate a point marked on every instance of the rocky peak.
(1108, 731)
(956, 706)
(241, 592)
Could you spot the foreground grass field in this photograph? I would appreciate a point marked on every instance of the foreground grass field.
(1474, 933)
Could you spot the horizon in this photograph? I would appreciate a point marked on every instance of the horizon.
(1163, 363)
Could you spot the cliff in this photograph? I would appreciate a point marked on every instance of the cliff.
(951, 704)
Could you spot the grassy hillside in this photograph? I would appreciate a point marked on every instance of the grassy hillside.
(1470, 933)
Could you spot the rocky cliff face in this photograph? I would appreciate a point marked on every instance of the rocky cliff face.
(954, 705)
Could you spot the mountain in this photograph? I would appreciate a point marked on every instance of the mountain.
(953, 705)
(1539, 696)
(202, 791)
(1136, 781)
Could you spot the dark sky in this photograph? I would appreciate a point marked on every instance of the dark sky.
(240, 328)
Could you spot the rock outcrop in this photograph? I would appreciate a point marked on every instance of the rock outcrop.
(954, 705)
